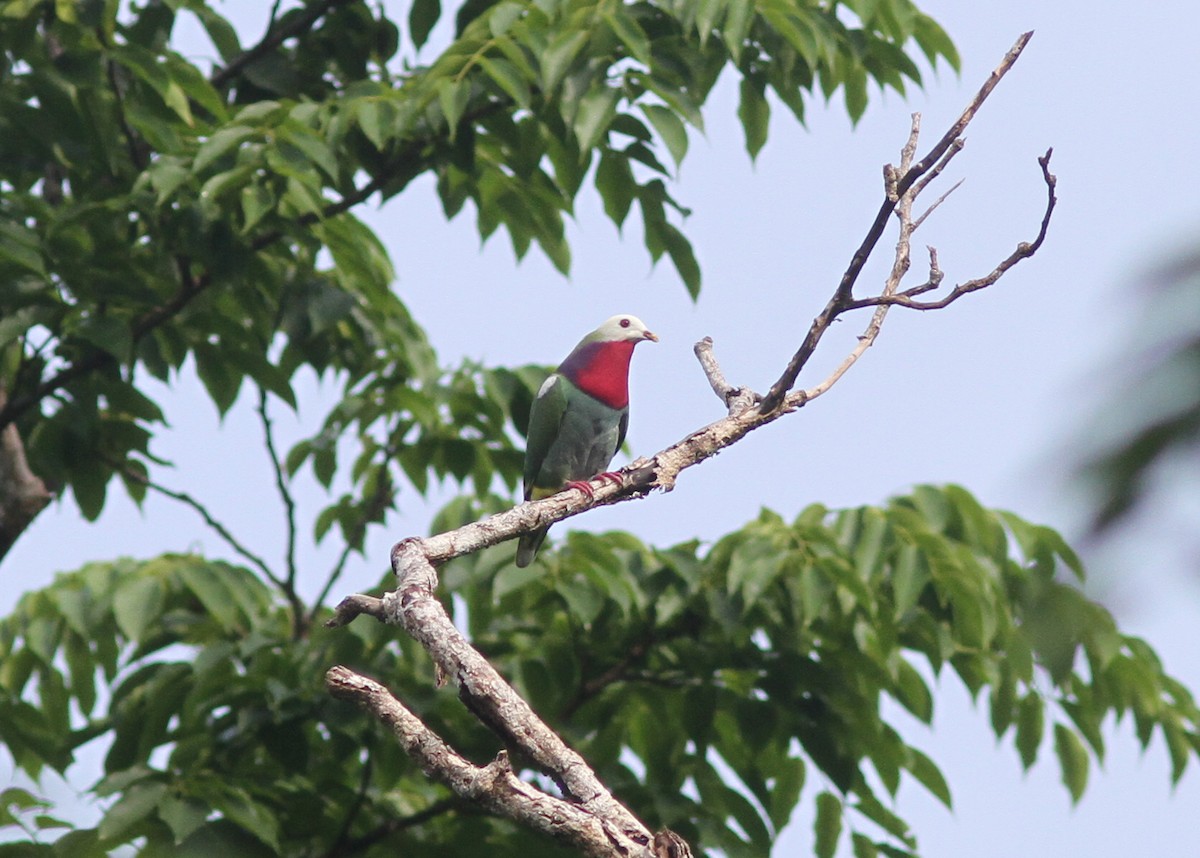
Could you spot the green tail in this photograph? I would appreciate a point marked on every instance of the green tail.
(528, 545)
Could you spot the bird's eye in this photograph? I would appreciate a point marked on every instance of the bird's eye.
(624, 323)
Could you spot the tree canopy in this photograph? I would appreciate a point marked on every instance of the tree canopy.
(162, 215)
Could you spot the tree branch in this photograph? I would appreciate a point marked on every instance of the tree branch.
(414, 560)
(273, 38)
(845, 291)
(22, 493)
(1024, 250)
(285, 494)
(495, 786)
(202, 510)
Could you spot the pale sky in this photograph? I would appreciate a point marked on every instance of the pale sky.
(993, 393)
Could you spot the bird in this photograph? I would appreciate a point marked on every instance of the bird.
(579, 417)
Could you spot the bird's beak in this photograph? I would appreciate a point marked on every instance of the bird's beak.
(651, 336)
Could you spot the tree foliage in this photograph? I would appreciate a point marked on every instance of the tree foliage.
(160, 217)
(1163, 423)
(707, 688)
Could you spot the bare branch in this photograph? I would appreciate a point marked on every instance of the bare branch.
(1024, 250)
(844, 295)
(735, 398)
(934, 206)
(209, 519)
(495, 786)
(355, 606)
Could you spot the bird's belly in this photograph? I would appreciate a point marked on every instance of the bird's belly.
(584, 448)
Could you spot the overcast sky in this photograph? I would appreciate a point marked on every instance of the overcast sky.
(995, 393)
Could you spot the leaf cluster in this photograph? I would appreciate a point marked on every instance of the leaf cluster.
(219, 735)
(709, 686)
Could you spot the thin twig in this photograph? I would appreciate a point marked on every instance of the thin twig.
(735, 398)
(285, 492)
(221, 530)
(358, 845)
(932, 208)
(1023, 251)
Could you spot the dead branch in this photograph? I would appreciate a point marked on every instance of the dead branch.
(945, 148)
(495, 786)
(596, 823)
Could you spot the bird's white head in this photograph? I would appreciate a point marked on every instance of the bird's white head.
(622, 328)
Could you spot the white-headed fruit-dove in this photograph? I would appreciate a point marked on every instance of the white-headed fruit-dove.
(579, 417)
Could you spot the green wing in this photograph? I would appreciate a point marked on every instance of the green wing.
(545, 421)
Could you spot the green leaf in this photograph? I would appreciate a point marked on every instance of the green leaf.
(183, 816)
(22, 246)
(509, 79)
(596, 111)
(107, 333)
(929, 775)
(137, 803)
(854, 88)
(863, 846)
(626, 28)
(755, 115)
(934, 42)
(219, 144)
(793, 27)
(912, 692)
(828, 824)
(137, 605)
(220, 378)
(558, 56)
(252, 816)
(669, 128)
(89, 485)
(257, 202)
(453, 96)
(616, 184)
(220, 31)
(422, 17)
(503, 16)
(377, 119)
(753, 566)
(785, 793)
(738, 20)
(208, 583)
(1073, 758)
(1030, 726)
(680, 251)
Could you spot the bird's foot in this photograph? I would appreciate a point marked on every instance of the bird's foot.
(610, 477)
(585, 486)
(582, 485)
